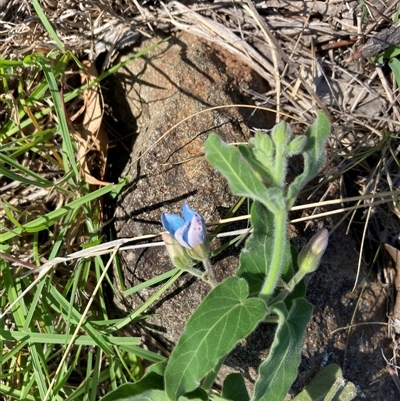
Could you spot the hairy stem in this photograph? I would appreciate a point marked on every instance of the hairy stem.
(209, 275)
(279, 238)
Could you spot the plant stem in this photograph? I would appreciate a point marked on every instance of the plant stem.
(193, 271)
(209, 275)
(271, 319)
(279, 238)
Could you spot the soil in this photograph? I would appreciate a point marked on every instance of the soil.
(359, 350)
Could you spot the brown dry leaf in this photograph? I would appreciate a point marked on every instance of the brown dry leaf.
(92, 139)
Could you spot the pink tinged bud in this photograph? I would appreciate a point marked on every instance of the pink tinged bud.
(176, 252)
(311, 254)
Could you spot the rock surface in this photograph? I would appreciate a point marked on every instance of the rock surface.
(175, 84)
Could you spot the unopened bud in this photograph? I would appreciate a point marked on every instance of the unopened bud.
(311, 254)
(297, 145)
(200, 252)
(177, 252)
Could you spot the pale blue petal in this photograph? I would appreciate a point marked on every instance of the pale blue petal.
(187, 212)
(181, 235)
(172, 222)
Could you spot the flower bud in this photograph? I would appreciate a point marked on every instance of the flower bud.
(190, 232)
(200, 252)
(297, 145)
(177, 252)
(311, 254)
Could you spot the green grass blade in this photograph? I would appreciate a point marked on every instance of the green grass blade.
(97, 337)
(39, 372)
(68, 148)
(153, 281)
(40, 181)
(50, 338)
(47, 25)
(132, 316)
(15, 393)
(143, 353)
(44, 222)
(13, 289)
(34, 307)
(394, 65)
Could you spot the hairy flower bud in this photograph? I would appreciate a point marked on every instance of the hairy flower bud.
(311, 254)
(177, 252)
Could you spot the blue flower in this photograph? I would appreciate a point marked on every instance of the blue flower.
(186, 242)
(190, 231)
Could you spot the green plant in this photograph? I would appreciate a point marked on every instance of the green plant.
(268, 283)
(54, 346)
(390, 55)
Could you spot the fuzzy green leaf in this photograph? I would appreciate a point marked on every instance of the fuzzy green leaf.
(150, 387)
(234, 388)
(264, 149)
(243, 179)
(122, 394)
(223, 318)
(314, 155)
(279, 370)
(328, 385)
(297, 145)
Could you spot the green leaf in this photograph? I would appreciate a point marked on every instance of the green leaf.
(123, 394)
(10, 63)
(328, 385)
(259, 168)
(297, 145)
(279, 370)
(243, 180)
(394, 64)
(281, 135)
(197, 395)
(223, 318)
(150, 387)
(234, 388)
(264, 149)
(390, 53)
(255, 258)
(314, 155)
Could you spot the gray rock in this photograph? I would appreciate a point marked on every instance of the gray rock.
(174, 84)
